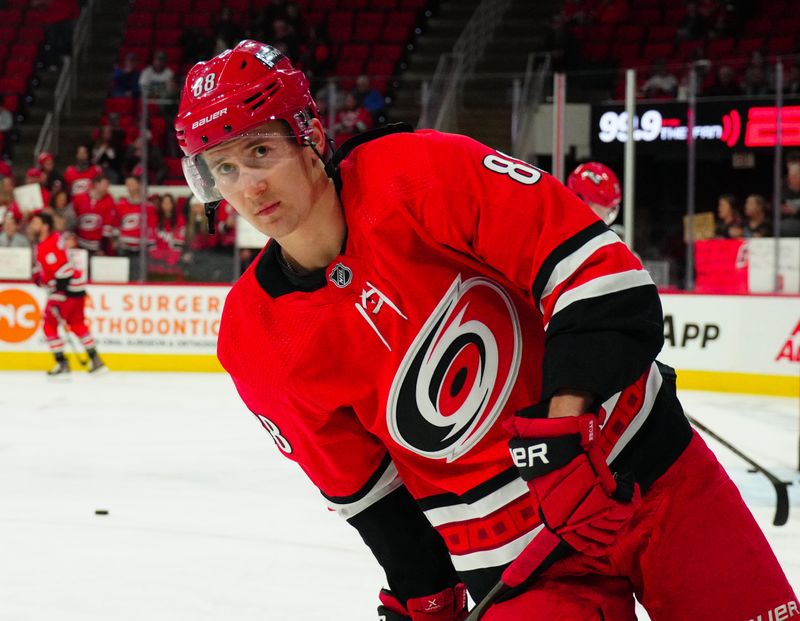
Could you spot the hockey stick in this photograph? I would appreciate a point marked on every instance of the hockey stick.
(545, 549)
(781, 491)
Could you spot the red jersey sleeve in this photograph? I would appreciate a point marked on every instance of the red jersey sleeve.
(595, 298)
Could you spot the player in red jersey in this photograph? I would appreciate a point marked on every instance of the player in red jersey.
(128, 223)
(598, 186)
(95, 214)
(461, 356)
(66, 295)
(79, 175)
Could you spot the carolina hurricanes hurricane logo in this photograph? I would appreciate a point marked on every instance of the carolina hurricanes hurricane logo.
(458, 373)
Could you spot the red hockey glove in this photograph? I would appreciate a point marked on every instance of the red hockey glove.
(579, 498)
(447, 605)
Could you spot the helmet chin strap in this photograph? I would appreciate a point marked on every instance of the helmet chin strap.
(313, 145)
(211, 215)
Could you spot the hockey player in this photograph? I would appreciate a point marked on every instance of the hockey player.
(598, 186)
(66, 295)
(461, 357)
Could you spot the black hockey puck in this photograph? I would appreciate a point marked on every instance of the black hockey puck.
(101, 511)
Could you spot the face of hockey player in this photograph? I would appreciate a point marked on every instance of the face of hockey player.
(273, 182)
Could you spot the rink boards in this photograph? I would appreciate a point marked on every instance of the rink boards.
(736, 343)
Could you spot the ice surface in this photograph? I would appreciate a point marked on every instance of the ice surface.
(207, 521)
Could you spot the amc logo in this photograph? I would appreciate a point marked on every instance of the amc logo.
(20, 316)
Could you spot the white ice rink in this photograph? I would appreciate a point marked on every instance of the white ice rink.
(208, 522)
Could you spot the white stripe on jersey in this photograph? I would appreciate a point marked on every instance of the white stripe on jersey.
(386, 484)
(602, 285)
(487, 505)
(497, 556)
(569, 264)
(653, 385)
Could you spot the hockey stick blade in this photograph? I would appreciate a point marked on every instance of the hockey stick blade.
(781, 487)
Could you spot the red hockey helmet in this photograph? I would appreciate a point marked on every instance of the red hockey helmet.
(597, 185)
(232, 94)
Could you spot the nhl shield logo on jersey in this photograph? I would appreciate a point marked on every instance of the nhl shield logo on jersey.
(341, 275)
(458, 373)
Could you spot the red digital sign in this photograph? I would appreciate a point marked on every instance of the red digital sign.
(762, 126)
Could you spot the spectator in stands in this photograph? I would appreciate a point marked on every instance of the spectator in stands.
(107, 153)
(263, 19)
(370, 98)
(575, 13)
(294, 18)
(790, 197)
(661, 84)
(79, 175)
(6, 127)
(729, 222)
(157, 81)
(758, 77)
(156, 166)
(562, 44)
(756, 223)
(694, 24)
(225, 31)
(351, 120)
(61, 207)
(725, 84)
(195, 44)
(59, 19)
(316, 57)
(10, 237)
(128, 223)
(285, 39)
(170, 237)
(96, 217)
(791, 85)
(53, 179)
(125, 79)
(35, 176)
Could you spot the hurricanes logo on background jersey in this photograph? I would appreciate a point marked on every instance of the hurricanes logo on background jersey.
(458, 373)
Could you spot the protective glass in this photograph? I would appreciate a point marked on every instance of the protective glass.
(239, 160)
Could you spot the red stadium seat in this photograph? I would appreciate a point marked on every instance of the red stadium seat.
(239, 6)
(35, 18)
(19, 67)
(599, 32)
(746, 46)
(674, 15)
(653, 51)
(324, 5)
(366, 33)
(24, 50)
(11, 103)
(787, 26)
(13, 85)
(720, 47)
(380, 68)
(387, 51)
(173, 166)
(168, 20)
(373, 18)
(119, 105)
(596, 51)
(634, 33)
(386, 5)
(179, 6)
(210, 7)
(686, 48)
(198, 20)
(140, 20)
(31, 34)
(355, 52)
(661, 34)
(624, 51)
(647, 16)
(10, 17)
(761, 27)
(394, 33)
(138, 36)
(7, 34)
(783, 44)
(147, 5)
(355, 4)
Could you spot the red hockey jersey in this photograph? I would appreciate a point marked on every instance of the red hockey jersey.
(471, 285)
(53, 265)
(94, 220)
(128, 224)
(79, 180)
